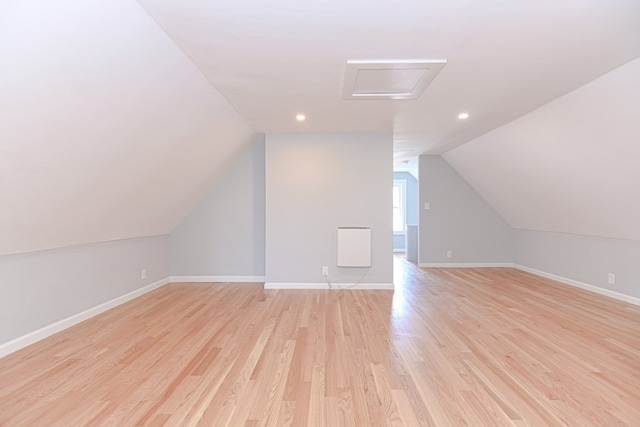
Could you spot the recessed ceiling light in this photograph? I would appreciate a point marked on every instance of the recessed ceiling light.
(301, 117)
(463, 116)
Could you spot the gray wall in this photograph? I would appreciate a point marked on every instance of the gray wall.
(316, 183)
(40, 288)
(586, 259)
(412, 210)
(225, 234)
(398, 242)
(459, 219)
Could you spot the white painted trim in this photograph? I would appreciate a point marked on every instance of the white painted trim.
(360, 286)
(581, 285)
(465, 265)
(42, 333)
(217, 279)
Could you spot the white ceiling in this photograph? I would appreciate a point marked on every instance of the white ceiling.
(571, 166)
(273, 58)
(107, 130)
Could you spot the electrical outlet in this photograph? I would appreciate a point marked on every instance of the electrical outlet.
(426, 206)
(449, 254)
(143, 274)
(612, 278)
(325, 270)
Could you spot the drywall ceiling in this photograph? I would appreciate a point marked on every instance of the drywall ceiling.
(570, 166)
(113, 126)
(273, 58)
(107, 130)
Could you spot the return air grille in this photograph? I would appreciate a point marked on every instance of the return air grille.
(389, 79)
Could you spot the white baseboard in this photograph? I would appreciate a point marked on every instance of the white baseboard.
(217, 279)
(360, 286)
(465, 265)
(42, 333)
(581, 285)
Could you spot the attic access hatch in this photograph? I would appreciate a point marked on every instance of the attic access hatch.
(389, 79)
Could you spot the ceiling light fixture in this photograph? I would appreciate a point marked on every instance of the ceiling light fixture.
(463, 116)
(301, 117)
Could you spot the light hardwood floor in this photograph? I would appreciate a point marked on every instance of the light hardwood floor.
(451, 347)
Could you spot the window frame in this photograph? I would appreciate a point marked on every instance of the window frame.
(402, 184)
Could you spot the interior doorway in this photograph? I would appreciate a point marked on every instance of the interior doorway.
(405, 210)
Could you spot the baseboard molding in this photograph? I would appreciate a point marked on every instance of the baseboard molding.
(217, 279)
(465, 265)
(42, 333)
(360, 286)
(581, 285)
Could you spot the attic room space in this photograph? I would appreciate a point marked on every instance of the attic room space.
(282, 213)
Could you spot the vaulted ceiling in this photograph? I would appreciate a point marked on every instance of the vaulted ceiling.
(571, 166)
(273, 58)
(115, 116)
(107, 131)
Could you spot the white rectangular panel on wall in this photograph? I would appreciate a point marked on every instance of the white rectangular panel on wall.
(354, 247)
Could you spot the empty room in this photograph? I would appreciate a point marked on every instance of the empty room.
(321, 213)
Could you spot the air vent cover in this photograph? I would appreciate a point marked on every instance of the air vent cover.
(389, 79)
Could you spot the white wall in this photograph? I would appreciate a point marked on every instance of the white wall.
(316, 183)
(458, 219)
(40, 288)
(585, 259)
(224, 235)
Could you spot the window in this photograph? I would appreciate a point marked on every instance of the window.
(399, 197)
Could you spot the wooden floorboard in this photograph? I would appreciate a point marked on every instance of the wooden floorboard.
(451, 347)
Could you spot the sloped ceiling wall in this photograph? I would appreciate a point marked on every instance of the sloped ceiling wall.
(107, 130)
(571, 166)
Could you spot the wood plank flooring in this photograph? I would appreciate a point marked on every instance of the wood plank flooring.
(451, 347)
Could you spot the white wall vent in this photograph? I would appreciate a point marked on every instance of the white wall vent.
(389, 79)
(354, 247)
